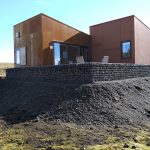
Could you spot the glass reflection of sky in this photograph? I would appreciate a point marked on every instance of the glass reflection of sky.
(17, 56)
(56, 53)
(126, 47)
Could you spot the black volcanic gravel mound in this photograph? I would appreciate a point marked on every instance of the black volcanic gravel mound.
(113, 102)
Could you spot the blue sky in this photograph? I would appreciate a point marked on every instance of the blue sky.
(77, 13)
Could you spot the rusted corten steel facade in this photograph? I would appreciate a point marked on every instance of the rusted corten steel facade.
(35, 35)
(107, 40)
(30, 37)
(36, 42)
(142, 42)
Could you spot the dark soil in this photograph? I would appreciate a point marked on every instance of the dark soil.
(115, 102)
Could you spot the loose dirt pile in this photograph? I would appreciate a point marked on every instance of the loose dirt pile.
(115, 102)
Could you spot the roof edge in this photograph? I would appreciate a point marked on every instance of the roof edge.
(113, 20)
(123, 18)
(142, 22)
(27, 19)
(42, 14)
(63, 23)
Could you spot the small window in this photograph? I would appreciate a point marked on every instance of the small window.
(126, 49)
(17, 34)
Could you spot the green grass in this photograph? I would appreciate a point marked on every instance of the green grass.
(4, 66)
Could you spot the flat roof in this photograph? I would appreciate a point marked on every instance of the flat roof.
(41, 14)
(121, 19)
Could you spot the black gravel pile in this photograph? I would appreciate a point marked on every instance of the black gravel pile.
(113, 102)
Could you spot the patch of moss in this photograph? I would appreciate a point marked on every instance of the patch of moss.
(41, 136)
(13, 139)
(64, 147)
(105, 147)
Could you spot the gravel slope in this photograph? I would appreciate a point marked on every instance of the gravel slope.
(115, 102)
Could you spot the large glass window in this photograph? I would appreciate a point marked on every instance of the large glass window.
(73, 52)
(126, 49)
(63, 54)
(83, 52)
(56, 53)
(66, 53)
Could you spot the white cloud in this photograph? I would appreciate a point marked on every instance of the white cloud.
(7, 56)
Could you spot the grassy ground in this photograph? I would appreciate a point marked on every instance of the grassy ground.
(4, 66)
(55, 135)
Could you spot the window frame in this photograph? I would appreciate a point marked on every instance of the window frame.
(73, 45)
(17, 56)
(122, 56)
(21, 56)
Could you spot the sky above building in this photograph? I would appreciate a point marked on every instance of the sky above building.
(77, 13)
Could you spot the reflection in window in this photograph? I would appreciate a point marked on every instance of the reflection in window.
(83, 52)
(17, 57)
(126, 49)
(56, 53)
(65, 53)
(20, 56)
(73, 52)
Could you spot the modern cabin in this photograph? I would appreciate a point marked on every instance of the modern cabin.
(125, 40)
(42, 40)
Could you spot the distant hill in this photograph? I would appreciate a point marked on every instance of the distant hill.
(4, 66)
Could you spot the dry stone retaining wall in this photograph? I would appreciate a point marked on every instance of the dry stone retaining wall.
(79, 73)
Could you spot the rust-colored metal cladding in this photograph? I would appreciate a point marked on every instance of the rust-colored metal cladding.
(28, 34)
(108, 37)
(34, 37)
(42, 40)
(142, 42)
(53, 30)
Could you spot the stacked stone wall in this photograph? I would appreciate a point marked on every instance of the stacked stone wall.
(80, 73)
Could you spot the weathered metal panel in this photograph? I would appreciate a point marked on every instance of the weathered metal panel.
(142, 42)
(30, 36)
(36, 34)
(54, 30)
(107, 38)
